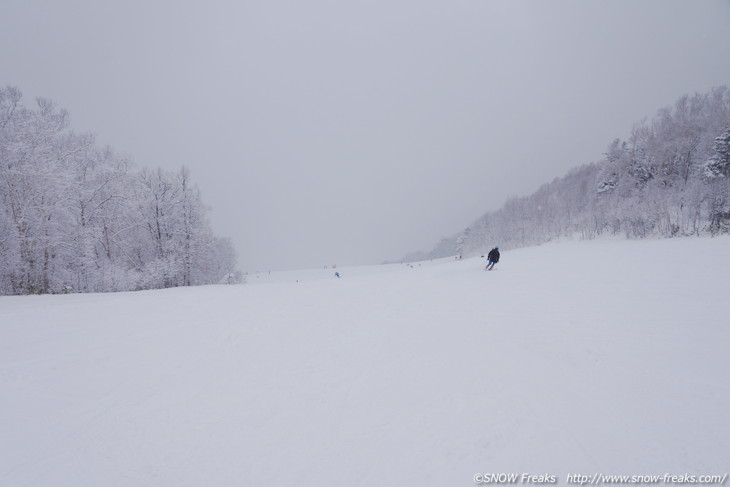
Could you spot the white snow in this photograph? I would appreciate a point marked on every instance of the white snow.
(574, 357)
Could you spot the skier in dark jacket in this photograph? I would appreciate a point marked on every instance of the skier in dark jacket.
(493, 258)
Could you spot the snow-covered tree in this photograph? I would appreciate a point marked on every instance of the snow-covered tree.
(718, 165)
(717, 171)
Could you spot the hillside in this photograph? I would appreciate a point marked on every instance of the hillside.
(607, 356)
(670, 178)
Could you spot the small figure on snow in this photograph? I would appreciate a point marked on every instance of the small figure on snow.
(337, 275)
(493, 258)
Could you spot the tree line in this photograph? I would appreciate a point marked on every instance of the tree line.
(76, 217)
(670, 178)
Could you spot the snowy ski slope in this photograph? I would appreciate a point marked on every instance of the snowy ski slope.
(575, 357)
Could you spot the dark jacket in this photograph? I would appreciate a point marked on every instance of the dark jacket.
(493, 255)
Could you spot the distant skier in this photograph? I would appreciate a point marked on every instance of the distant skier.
(337, 274)
(493, 258)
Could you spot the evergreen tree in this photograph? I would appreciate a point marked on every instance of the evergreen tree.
(719, 163)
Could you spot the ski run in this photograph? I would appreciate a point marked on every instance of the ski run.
(603, 356)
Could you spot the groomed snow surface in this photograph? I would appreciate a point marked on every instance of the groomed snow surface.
(573, 357)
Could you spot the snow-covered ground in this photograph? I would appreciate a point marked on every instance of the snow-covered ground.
(576, 357)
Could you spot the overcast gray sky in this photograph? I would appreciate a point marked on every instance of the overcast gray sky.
(348, 132)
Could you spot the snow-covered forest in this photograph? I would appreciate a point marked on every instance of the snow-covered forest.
(76, 217)
(670, 178)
